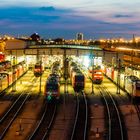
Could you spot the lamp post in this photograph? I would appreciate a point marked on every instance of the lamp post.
(25, 60)
(65, 78)
(0, 85)
(118, 77)
(92, 64)
(39, 60)
(14, 74)
(40, 76)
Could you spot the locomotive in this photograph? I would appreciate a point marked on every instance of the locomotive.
(78, 81)
(96, 75)
(52, 85)
(77, 77)
(38, 70)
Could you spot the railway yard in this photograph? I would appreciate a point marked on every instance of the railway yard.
(26, 114)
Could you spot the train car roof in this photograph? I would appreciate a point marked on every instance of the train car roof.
(79, 74)
(53, 76)
(52, 79)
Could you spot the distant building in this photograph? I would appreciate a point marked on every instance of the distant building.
(79, 36)
(12, 44)
(35, 37)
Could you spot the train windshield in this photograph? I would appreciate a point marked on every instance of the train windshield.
(79, 78)
(52, 87)
(98, 72)
(37, 66)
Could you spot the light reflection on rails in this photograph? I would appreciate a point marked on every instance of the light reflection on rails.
(7, 120)
(12, 114)
(45, 123)
(138, 110)
(79, 131)
(115, 130)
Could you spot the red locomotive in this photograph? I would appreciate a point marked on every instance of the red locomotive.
(38, 70)
(77, 77)
(52, 86)
(78, 81)
(96, 75)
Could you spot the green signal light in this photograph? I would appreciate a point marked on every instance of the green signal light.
(49, 97)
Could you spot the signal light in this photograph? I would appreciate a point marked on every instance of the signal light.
(49, 97)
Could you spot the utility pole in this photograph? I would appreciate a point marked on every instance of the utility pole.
(92, 64)
(14, 74)
(118, 76)
(132, 54)
(39, 61)
(65, 78)
(40, 76)
(37, 58)
(25, 60)
(134, 41)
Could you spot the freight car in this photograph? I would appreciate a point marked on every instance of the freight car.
(132, 86)
(130, 83)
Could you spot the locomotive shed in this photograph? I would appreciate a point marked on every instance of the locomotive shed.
(24, 124)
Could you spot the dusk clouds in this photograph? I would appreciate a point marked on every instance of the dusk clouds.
(61, 18)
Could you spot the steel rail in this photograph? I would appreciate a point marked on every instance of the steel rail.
(45, 120)
(103, 89)
(78, 117)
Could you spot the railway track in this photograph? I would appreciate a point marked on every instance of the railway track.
(8, 118)
(43, 128)
(79, 131)
(116, 128)
(137, 107)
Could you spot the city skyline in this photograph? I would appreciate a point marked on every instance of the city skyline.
(51, 19)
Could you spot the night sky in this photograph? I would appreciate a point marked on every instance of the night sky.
(63, 18)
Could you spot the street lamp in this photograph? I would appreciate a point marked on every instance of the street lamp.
(14, 74)
(118, 77)
(41, 70)
(92, 64)
(39, 59)
(65, 78)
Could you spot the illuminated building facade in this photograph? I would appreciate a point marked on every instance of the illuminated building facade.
(79, 36)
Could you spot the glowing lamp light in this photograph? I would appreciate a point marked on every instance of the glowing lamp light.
(86, 61)
(49, 97)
